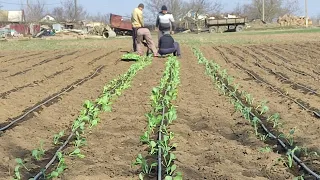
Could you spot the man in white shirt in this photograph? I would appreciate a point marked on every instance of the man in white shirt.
(165, 22)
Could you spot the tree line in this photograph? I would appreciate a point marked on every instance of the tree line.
(67, 11)
(35, 10)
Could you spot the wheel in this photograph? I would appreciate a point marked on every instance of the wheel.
(239, 28)
(213, 29)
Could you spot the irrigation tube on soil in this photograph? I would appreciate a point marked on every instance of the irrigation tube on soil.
(315, 113)
(89, 114)
(49, 99)
(157, 136)
(225, 84)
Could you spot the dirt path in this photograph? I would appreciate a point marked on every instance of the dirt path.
(18, 142)
(114, 144)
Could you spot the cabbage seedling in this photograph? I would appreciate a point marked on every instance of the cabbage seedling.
(17, 168)
(38, 153)
(130, 56)
(57, 137)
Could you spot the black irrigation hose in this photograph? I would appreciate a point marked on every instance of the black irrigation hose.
(45, 102)
(279, 92)
(159, 138)
(41, 173)
(63, 146)
(317, 114)
(279, 140)
(54, 157)
(296, 159)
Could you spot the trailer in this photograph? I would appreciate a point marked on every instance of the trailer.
(222, 25)
(202, 23)
(120, 25)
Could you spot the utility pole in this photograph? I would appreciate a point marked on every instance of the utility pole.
(75, 10)
(263, 10)
(306, 6)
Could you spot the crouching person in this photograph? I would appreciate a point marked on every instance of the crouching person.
(167, 45)
(144, 34)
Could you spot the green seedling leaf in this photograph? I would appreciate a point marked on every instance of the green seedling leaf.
(57, 137)
(19, 161)
(17, 172)
(54, 174)
(141, 176)
(266, 150)
(131, 56)
(173, 168)
(106, 108)
(168, 178)
(178, 176)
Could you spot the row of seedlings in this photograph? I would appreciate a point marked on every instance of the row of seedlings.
(257, 115)
(157, 138)
(75, 136)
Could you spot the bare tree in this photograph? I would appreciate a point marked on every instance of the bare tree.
(67, 11)
(179, 8)
(99, 17)
(58, 13)
(205, 6)
(34, 10)
(273, 9)
(176, 7)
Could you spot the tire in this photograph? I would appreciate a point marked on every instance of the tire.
(239, 28)
(212, 29)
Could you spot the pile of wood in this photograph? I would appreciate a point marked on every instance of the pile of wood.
(291, 20)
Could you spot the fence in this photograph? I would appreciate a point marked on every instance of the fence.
(25, 29)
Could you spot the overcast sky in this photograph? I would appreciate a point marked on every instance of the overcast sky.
(124, 7)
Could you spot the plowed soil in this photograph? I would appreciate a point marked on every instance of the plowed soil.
(213, 141)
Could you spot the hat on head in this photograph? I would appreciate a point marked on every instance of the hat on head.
(164, 8)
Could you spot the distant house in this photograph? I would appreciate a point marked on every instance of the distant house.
(48, 18)
(12, 16)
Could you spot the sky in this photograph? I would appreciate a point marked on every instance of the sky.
(125, 7)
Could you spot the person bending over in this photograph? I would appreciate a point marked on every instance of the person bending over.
(144, 34)
(167, 45)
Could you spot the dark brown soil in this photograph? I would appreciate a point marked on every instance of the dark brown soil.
(213, 141)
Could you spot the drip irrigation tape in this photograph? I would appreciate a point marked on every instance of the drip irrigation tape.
(54, 157)
(283, 145)
(296, 159)
(50, 99)
(160, 138)
(41, 173)
(119, 82)
(278, 91)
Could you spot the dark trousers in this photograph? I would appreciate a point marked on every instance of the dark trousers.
(134, 38)
(175, 50)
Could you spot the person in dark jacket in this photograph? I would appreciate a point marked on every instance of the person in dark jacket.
(167, 45)
(165, 22)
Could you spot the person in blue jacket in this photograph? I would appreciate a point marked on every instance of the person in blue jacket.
(167, 45)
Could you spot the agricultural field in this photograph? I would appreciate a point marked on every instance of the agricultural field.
(235, 106)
